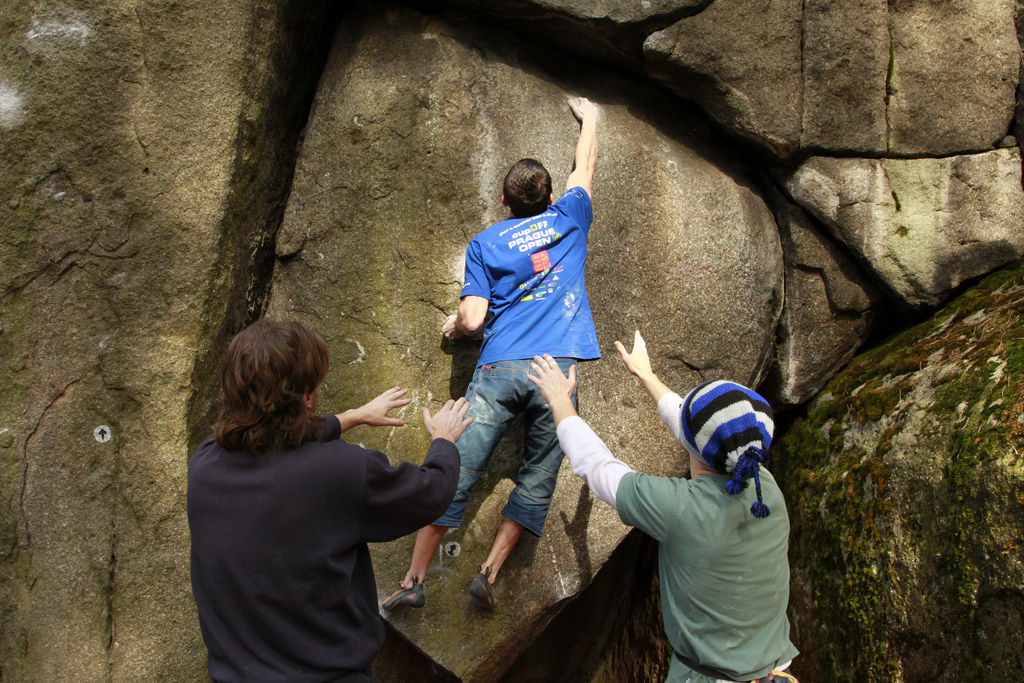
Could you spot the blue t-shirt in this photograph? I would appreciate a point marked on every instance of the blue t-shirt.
(532, 270)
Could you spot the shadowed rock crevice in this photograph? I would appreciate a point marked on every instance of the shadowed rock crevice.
(282, 85)
(606, 32)
(610, 633)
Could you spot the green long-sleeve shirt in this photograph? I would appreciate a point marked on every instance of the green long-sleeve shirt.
(724, 572)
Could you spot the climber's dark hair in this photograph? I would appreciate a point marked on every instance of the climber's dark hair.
(527, 188)
(268, 368)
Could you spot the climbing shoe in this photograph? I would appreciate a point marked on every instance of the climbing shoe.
(481, 591)
(406, 597)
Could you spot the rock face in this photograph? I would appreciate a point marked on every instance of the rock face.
(827, 314)
(742, 66)
(372, 256)
(132, 140)
(876, 77)
(923, 225)
(903, 484)
(148, 155)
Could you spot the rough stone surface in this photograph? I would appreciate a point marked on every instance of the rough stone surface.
(147, 157)
(923, 225)
(904, 486)
(865, 77)
(828, 312)
(372, 256)
(124, 133)
(740, 60)
(846, 58)
(954, 75)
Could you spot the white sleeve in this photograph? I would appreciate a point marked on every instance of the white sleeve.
(670, 407)
(590, 459)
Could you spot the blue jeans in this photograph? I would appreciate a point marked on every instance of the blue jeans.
(497, 394)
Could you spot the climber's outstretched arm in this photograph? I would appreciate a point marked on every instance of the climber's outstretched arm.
(582, 175)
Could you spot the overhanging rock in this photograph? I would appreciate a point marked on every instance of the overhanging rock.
(923, 225)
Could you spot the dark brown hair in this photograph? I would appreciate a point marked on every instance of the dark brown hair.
(527, 188)
(268, 368)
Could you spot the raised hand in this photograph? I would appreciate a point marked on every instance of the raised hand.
(448, 329)
(375, 412)
(449, 422)
(582, 108)
(637, 361)
(555, 387)
(549, 379)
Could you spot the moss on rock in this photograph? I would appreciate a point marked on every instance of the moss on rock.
(903, 480)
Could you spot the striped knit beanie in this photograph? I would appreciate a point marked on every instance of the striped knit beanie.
(729, 427)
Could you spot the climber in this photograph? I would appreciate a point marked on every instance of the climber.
(280, 510)
(528, 270)
(722, 547)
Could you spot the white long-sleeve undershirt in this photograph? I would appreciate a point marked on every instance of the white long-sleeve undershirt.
(670, 407)
(590, 458)
(593, 462)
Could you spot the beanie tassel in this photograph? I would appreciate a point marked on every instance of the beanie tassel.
(735, 485)
(747, 466)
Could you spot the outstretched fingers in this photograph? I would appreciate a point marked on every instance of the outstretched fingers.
(376, 411)
(549, 377)
(450, 421)
(581, 107)
(462, 409)
(396, 392)
(636, 361)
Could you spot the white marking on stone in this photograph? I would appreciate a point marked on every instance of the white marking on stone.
(457, 268)
(399, 413)
(54, 27)
(58, 196)
(361, 358)
(102, 433)
(452, 549)
(489, 176)
(178, 344)
(11, 105)
(558, 572)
